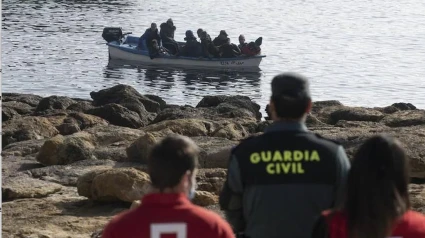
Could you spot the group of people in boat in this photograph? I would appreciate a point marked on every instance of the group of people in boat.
(163, 43)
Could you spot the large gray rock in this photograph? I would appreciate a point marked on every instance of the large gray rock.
(320, 105)
(71, 122)
(15, 165)
(27, 128)
(29, 99)
(113, 135)
(158, 99)
(20, 107)
(231, 105)
(26, 187)
(211, 180)
(67, 175)
(417, 197)
(404, 106)
(226, 128)
(81, 106)
(8, 113)
(126, 96)
(23, 148)
(109, 185)
(54, 102)
(355, 114)
(119, 115)
(111, 152)
(213, 108)
(405, 118)
(61, 150)
(214, 151)
(140, 149)
(204, 198)
(184, 112)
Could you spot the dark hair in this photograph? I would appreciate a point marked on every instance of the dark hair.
(170, 159)
(377, 188)
(290, 94)
(288, 107)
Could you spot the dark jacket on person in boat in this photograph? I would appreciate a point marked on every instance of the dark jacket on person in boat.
(192, 47)
(221, 38)
(167, 36)
(208, 48)
(150, 34)
(156, 50)
(229, 50)
(252, 48)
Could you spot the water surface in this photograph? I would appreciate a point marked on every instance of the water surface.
(363, 53)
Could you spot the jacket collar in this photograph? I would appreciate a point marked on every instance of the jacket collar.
(286, 126)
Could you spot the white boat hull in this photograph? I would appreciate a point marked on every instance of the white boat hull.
(118, 53)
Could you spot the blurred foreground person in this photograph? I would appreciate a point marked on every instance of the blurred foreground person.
(377, 200)
(278, 183)
(167, 210)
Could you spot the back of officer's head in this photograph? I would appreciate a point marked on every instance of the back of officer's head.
(290, 98)
(173, 161)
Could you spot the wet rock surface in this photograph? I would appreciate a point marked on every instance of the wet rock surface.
(69, 165)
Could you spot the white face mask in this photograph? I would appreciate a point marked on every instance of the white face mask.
(192, 190)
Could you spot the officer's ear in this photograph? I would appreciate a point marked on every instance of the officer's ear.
(309, 106)
(272, 110)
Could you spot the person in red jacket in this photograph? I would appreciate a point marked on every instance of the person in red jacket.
(167, 211)
(377, 201)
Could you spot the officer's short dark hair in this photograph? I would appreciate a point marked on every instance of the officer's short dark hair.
(170, 159)
(290, 95)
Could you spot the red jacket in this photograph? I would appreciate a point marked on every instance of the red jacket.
(167, 216)
(411, 225)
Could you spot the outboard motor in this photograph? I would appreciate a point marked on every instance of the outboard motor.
(112, 34)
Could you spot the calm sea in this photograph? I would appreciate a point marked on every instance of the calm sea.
(362, 53)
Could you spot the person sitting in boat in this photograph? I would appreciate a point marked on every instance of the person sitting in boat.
(252, 48)
(167, 36)
(192, 47)
(146, 39)
(208, 48)
(199, 32)
(229, 50)
(221, 38)
(156, 50)
(242, 42)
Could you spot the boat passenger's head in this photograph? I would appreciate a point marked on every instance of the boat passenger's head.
(189, 35)
(241, 39)
(290, 100)
(377, 186)
(170, 22)
(203, 35)
(172, 165)
(153, 26)
(223, 34)
(199, 32)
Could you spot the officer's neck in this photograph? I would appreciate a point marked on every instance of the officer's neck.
(177, 189)
(290, 120)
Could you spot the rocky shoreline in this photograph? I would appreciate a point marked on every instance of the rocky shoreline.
(69, 165)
